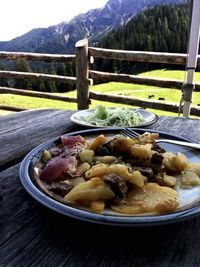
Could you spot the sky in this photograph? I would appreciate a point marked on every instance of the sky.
(20, 16)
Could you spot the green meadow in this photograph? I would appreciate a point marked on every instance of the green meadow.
(133, 90)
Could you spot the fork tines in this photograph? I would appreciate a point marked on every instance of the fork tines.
(129, 132)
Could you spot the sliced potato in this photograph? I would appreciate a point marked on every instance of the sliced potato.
(175, 162)
(142, 153)
(99, 140)
(169, 180)
(136, 178)
(121, 170)
(94, 189)
(150, 198)
(193, 167)
(190, 178)
(86, 155)
(180, 162)
(97, 206)
(104, 159)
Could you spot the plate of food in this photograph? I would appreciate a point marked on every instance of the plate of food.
(101, 116)
(102, 176)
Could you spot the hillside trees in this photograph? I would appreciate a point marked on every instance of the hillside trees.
(160, 29)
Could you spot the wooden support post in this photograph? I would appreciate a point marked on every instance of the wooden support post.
(82, 74)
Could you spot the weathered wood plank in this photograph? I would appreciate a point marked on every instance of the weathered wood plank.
(139, 56)
(183, 127)
(82, 68)
(7, 90)
(29, 128)
(144, 103)
(36, 57)
(32, 235)
(39, 76)
(11, 108)
(106, 76)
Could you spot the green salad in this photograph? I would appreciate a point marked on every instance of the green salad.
(122, 117)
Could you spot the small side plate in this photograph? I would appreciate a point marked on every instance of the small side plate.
(80, 116)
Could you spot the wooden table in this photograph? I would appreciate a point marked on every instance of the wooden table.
(32, 235)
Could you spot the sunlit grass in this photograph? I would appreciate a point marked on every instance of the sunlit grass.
(132, 90)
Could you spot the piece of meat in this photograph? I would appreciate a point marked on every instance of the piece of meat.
(158, 148)
(146, 171)
(71, 141)
(57, 168)
(156, 163)
(117, 184)
(61, 188)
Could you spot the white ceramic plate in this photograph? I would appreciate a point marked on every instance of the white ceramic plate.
(189, 198)
(79, 116)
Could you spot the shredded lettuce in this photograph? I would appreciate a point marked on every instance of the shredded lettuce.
(122, 117)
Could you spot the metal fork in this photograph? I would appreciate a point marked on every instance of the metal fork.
(131, 133)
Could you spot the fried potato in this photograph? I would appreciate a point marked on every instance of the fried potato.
(193, 167)
(97, 206)
(94, 189)
(99, 170)
(148, 138)
(136, 178)
(142, 153)
(169, 180)
(99, 140)
(86, 155)
(175, 163)
(122, 144)
(190, 178)
(105, 159)
(180, 162)
(150, 198)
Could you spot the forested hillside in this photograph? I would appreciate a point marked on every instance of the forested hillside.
(162, 29)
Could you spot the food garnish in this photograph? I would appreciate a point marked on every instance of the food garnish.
(121, 117)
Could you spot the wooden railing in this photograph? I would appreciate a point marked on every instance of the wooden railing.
(85, 56)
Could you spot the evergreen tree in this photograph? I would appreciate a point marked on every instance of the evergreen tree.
(22, 66)
(3, 81)
(161, 29)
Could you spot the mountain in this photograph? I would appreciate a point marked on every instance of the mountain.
(93, 25)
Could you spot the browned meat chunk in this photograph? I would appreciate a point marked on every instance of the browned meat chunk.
(117, 184)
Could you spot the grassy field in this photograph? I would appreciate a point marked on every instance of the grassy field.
(138, 91)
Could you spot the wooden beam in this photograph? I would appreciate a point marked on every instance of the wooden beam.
(139, 56)
(39, 76)
(11, 108)
(106, 76)
(82, 74)
(7, 90)
(36, 57)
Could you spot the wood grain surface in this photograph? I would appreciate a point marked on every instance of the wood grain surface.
(32, 235)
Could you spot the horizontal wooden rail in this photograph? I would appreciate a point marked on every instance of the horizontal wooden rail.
(36, 57)
(11, 108)
(39, 76)
(139, 56)
(6, 90)
(144, 103)
(106, 76)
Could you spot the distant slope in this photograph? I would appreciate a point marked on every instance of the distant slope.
(162, 29)
(94, 25)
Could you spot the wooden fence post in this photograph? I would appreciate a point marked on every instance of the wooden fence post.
(82, 74)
